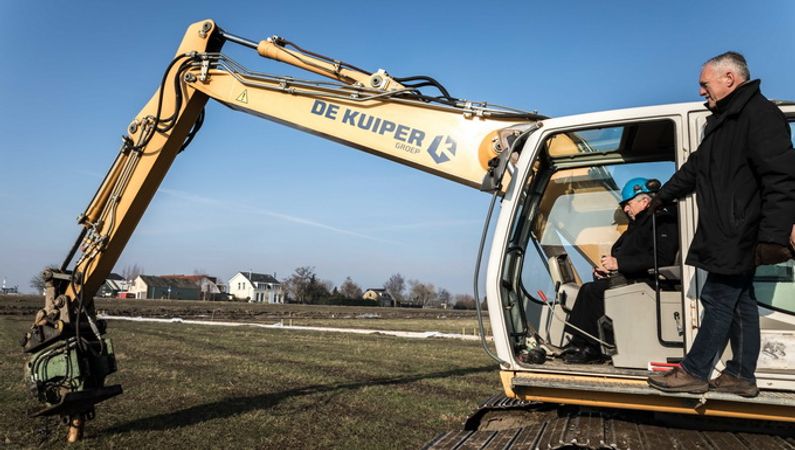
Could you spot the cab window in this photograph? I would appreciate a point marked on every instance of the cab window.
(775, 285)
(579, 214)
(570, 204)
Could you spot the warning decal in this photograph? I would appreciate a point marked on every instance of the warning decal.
(243, 97)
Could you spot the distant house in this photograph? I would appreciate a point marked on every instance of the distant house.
(209, 288)
(380, 296)
(112, 286)
(8, 289)
(256, 288)
(152, 287)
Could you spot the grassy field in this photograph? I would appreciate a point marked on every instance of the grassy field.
(208, 387)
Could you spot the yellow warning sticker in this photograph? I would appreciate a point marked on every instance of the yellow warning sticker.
(243, 97)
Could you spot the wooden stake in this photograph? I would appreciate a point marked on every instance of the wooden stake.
(75, 431)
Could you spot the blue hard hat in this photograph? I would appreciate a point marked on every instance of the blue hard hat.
(637, 186)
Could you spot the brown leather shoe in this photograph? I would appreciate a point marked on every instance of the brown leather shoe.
(734, 385)
(677, 380)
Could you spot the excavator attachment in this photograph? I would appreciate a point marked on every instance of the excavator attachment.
(70, 356)
(67, 373)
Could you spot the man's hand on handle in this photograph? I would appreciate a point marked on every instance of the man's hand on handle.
(655, 204)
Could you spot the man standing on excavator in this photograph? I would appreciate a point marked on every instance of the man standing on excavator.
(743, 174)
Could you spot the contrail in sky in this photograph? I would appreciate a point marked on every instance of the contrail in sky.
(246, 209)
(423, 225)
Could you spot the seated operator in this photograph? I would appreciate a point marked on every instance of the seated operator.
(631, 257)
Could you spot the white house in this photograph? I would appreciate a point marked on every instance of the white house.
(256, 288)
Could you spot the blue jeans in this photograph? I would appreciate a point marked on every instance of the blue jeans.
(730, 314)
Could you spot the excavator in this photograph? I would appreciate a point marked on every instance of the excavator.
(556, 183)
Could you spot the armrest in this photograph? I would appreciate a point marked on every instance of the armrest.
(669, 273)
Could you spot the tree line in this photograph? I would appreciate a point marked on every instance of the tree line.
(304, 286)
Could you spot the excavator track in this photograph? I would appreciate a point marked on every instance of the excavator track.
(504, 423)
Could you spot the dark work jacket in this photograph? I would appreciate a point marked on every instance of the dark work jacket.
(634, 249)
(743, 174)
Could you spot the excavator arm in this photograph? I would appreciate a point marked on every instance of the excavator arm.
(463, 141)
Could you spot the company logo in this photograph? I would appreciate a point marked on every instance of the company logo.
(441, 152)
(408, 139)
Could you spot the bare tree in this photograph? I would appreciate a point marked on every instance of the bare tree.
(443, 298)
(323, 288)
(422, 293)
(396, 287)
(349, 289)
(303, 286)
(299, 284)
(132, 272)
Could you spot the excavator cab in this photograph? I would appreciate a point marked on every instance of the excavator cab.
(559, 215)
(570, 217)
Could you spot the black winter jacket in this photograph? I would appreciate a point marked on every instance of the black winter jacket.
(743, 174)
(634, 248)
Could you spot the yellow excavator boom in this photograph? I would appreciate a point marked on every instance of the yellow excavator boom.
(389, 117)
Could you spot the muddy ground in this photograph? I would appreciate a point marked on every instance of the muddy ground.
(27, 305)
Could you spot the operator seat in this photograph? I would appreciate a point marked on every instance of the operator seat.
(644, 330)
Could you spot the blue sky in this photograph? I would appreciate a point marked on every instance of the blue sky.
(250, 194)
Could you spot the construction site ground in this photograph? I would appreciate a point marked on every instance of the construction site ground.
(189, 385)
(194, 386)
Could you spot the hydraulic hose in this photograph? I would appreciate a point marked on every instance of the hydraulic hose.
(476, 280)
